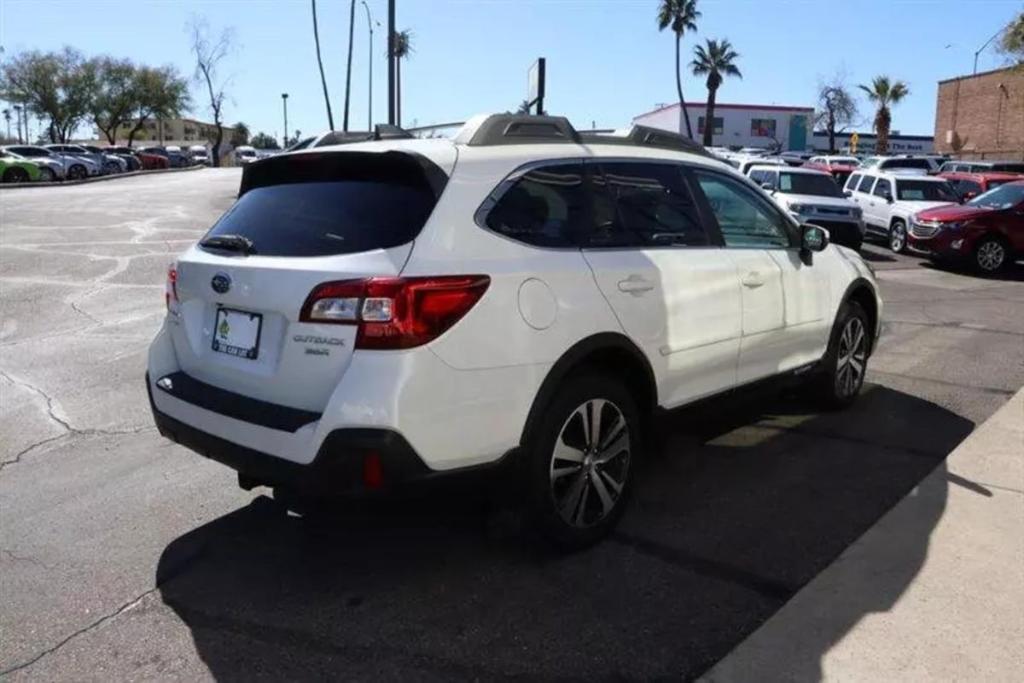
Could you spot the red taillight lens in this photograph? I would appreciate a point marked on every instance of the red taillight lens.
(395, 313)
(171, 289)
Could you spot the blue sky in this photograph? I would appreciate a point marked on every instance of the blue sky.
(607, 62)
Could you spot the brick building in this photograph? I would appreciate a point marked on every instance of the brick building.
(982, 116)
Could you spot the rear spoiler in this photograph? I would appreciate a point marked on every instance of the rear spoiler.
(324, 166)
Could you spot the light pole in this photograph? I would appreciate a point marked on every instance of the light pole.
(7, 118)
(369, 112)
(284, 101)
(982, 48)
(391, 62)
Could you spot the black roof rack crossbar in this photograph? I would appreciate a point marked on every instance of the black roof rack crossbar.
(523, 129)
(645, 136)
(381, 131)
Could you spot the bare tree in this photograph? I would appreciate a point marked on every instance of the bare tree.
(209, 54)
(837, 109)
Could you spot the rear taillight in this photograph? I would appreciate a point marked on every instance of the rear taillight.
(395, 313)
(171, 289)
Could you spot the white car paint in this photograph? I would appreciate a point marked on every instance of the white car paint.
(879, 212)
(706, 319)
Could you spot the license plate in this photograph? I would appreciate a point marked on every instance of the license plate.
(237, 333)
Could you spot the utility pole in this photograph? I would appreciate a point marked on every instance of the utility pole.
(284, 101)
(348, 69)
(7, 117)
(17, 114)
(369, 87)
(391, 62)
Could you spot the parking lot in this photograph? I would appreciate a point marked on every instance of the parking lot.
(125, 556)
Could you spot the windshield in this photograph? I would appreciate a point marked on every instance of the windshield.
(925, 191)
(845, 161)
(808, 183)
(1002, 197)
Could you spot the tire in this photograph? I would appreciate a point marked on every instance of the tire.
(46, 175)
(111, 167)
(898, 237)
(841, 376)
(15, 175)
(577, 491)
(77, 172)
(990, 255)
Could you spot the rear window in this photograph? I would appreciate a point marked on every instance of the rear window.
(1010, 167)
(925, 191)
(908, 163)
(323, 205)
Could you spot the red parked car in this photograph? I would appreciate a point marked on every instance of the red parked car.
(840, 167)
(987, 232)
(149, 161)
(970, 185)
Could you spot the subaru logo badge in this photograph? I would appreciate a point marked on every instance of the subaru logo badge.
(221, 283)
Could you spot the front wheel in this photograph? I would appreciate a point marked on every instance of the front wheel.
(581, 458)
(898, 237)
(112, 167)
(47, 175)
(990, 256)
(77, 172)
(846, 360)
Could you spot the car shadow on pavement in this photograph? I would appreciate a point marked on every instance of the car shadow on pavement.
(743, 503)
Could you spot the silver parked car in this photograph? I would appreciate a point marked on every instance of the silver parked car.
(105, 166)
(72, 167)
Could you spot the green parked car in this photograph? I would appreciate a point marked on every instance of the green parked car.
(17, 169)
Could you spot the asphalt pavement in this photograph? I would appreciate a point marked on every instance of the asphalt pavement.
(123, 556)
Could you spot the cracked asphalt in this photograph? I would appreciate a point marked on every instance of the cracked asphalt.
(123, 556)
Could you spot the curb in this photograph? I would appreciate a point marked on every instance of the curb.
(97, 179)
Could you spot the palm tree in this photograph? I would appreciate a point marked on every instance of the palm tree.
(401, 47)
(884, 93)
(682, 16)
(716, 62)
(323, 79)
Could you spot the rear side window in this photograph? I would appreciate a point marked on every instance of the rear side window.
(851, 184)
(322, 205)
(865, 184)
(655, 207)
(546, 207)
(1009, 167)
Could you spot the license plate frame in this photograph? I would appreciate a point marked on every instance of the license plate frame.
(237, 344)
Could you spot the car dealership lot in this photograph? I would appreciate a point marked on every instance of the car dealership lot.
(124, 556)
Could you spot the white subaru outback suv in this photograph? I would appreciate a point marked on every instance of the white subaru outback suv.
(890, 200)
(375, 313)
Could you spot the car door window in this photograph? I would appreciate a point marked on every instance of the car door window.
(968, 186)
(653, 206)
(883, 188)
(545, 207)
(852, 182)
(865, 184)
(745, 219)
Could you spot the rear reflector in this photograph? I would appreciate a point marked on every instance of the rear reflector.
(395, 313)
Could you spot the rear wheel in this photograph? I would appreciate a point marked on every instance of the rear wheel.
(112, 167)
(77, 172)
(898, 236)
(990, 255)
(16, 175)
(846, 360)
(581, 458)
(47, 175)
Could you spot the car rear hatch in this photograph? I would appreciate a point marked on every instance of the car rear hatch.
(236, 298)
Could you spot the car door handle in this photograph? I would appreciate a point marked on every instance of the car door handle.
(635, 285)
(753, 279)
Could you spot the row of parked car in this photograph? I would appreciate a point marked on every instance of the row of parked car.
(49, 163)
(966, 211)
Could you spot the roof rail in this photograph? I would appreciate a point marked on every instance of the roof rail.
(645, 136)
(522, 129)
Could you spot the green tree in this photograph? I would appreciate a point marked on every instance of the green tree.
(884, 93)
(160, 93)
(263, 141)
(1011, 43)
(681, 16)
(116, 95)
(239, 135)
(401, 48)
(59, 86)
(837, 109)
(716, 61)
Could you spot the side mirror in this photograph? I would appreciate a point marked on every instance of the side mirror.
(766, 186)
(847, 193)
(813, 238)
(888, 197)
(969, 196)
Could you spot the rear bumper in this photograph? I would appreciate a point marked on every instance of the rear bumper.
(348, 462)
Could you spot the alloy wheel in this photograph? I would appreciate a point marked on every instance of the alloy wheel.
(590, 463)
(852, 360)
(897, 237)
(991, 256)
